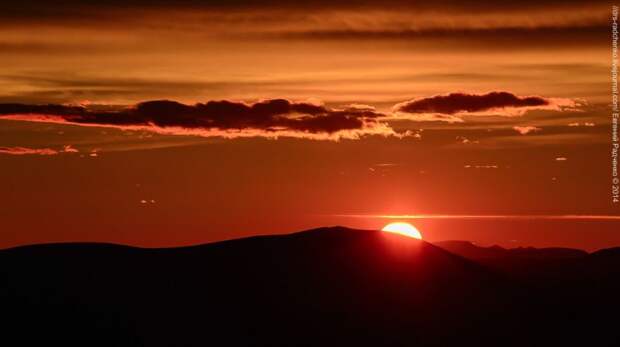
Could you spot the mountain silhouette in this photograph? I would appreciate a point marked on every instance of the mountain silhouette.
(526, 262)
(323, 287)
(472, 251)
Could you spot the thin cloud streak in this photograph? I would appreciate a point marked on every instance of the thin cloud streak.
(37, 151)
(465, 216)
(27, 151)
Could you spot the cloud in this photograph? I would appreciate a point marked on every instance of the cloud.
(27, 151)
(426, 117)
(464, 140)
(69, 149)
(524, 130)
(274, 118)
(452, 107)
(488, 166)
(344, 15)
(455, 103)
(585, 124)
(485, 34)
(37, 151)
(268, 118)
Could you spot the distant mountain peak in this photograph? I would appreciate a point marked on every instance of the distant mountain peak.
(470, 250)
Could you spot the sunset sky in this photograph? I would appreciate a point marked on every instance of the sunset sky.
(158, 124)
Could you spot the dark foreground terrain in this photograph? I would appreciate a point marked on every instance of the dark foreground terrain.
(324, 287)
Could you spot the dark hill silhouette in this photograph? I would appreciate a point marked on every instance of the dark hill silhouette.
(521, 261)
(324, 287)
(469, 250)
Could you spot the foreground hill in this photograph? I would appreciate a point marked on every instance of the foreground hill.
(324, 287)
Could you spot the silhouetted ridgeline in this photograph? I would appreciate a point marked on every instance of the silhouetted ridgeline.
(324, 287)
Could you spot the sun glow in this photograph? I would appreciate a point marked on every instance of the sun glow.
(403, 229)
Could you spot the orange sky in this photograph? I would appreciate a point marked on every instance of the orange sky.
(308, 114)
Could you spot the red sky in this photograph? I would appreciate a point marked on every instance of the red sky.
(282, 117)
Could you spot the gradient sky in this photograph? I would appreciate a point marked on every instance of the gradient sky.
(281, 117)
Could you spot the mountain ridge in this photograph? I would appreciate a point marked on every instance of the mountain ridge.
(320, 287)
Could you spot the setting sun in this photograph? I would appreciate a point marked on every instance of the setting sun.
(403, 229)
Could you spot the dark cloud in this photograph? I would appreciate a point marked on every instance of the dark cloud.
(450, 37)
(455, 103)
(56, 7)
(26, 8)
(92, 13)
(51, 109)
(270, 117)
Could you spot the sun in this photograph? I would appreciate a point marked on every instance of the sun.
(403, 229)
